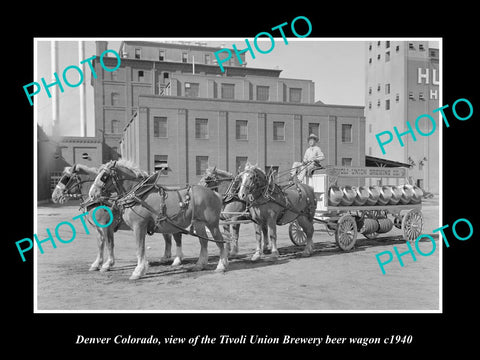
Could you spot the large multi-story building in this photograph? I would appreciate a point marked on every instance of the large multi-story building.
(171, 104)
(402, 83)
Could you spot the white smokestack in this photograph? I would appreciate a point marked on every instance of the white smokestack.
(83, 89)
(53, 89)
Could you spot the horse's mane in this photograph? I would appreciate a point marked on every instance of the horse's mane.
(126, 164)
(220, 172)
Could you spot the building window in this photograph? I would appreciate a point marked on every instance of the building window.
(346, 161)
(115, 97)
(369, 46)
(314, 128)
(262, 93)
(161, 55)
(387, 104)
(411, 46)
(421, 96)
(379, 87)
(184, 57)
(207, 58)
(369, 90)
(160, 127)
(115, 126)
(240, 162)
(201, 128)
(295, 95)
(270, 168)
(279, 130)
(397, 48)
(378, 57)
(140, 75)
(161, 162)
(397, 97)
(387, 89)
(369, 128)
(387, 44)
(378, 43)
(192, 89)
(346, 133)
(228, 91)
(138, 53)
(378, 103)
(369, 60)
(369, 105)
(387, 56)
(410, 95)
(421, 47)
(201, 165)
(241, 130)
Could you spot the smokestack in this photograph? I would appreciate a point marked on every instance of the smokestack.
(55, 103)
(83, 108)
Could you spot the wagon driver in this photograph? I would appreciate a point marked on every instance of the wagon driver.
(311, 159)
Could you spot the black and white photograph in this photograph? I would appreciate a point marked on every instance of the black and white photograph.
(184, 183)
(257, 175)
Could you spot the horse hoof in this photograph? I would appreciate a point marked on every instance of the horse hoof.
(275, 254)
(177, 262)
(165, 259)
(256, 256)
(306, 253)
(104, 269)
(220, 269)
(94, 268)
(199, 267)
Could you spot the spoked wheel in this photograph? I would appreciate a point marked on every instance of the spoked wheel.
(296, 233)
(346, 233)
(412, 225)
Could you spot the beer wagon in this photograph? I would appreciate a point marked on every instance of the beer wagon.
(346, 205)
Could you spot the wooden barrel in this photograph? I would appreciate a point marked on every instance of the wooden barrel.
(417, 195)
(407, 194)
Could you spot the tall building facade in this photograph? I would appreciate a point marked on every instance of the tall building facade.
(170, 104)
(402, 83)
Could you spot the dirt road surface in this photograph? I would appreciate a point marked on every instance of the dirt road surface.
(328, 280)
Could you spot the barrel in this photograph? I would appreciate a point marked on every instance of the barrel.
(349, 194)
(385, 195)
(335, 195)
(362, 195)
(417, 195)
(407, 194)
(396, 194)
(373, 195)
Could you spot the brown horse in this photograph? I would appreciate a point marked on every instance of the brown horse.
(269, 206)
(75, 184)
(149, 207)
(226, 185)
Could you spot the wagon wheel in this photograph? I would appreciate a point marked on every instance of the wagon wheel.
(346, 233)
(296, 233)
(412, 225)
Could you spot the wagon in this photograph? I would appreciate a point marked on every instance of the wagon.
(347, 204)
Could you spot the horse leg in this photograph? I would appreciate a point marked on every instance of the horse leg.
(101, 243)
(258, 235)
(234, 239)
(178, 250)
(110, 247)
(226, 230)
(223, 258)
(167, 253)
(267, 246)
(307, 227)
(139, 232)
(272, 234)
(203, 257)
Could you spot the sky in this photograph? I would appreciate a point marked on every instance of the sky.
(336, 66)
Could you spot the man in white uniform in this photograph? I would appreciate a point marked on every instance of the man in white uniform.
(313, 156)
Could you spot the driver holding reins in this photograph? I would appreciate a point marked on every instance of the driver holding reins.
(311, 159)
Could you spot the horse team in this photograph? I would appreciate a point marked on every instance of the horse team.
(140, 203)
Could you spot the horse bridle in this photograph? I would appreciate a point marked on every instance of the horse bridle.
(67, 179)
(111, 172)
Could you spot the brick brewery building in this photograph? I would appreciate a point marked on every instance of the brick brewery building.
(402, 83)
(171, 104)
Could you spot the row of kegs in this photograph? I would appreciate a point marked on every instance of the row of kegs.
(374, 195)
